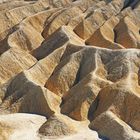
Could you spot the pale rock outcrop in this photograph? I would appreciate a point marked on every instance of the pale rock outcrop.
(44, 103)
(13, 62)
(28, 35)
(62, 19)
(105, 36)
(20, 126)
(14, 16)
(62, 36)
(74, 62)
(77, 101)
(111, 127)
(122, 102)
(87, 27)
(66, 129)
(57, 125)
(38, 73)
(128, 33)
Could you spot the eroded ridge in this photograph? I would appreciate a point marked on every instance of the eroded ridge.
(74, 64)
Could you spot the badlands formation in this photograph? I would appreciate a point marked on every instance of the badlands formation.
(70, 69)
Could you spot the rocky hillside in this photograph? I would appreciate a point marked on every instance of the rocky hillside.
(70, 69)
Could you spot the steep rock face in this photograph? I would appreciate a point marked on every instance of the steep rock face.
(74, 62)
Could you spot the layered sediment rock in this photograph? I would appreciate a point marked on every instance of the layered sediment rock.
(74, 64)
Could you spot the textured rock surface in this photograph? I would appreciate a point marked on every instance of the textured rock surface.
(74, 64)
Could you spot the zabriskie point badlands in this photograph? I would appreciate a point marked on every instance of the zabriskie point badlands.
(70, 70)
